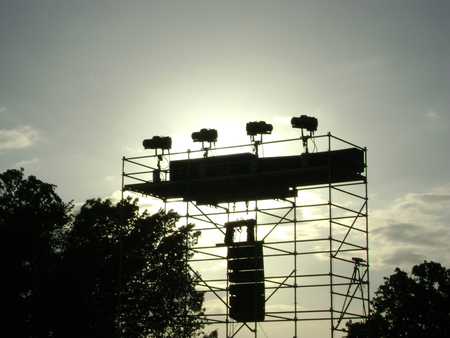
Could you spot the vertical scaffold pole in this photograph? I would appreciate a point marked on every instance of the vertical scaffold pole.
(330, 238)
(295, 269)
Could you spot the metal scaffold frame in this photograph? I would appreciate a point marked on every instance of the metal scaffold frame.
(315, 238)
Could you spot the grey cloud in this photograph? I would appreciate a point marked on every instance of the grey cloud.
(433, 199)
(405, 257)
(411, 229)
(413, 234)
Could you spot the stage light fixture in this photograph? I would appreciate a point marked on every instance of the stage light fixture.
(305, 122)
(205, 135)
(158, 142)
(261, 127)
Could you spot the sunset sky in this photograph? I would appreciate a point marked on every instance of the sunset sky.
(82, 83)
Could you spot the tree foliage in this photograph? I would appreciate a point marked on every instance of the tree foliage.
(416, 305)
(61, 271)
(32, 217)
(212, 334)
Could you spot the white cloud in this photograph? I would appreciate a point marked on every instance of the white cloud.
(18, 138)
(27, 162)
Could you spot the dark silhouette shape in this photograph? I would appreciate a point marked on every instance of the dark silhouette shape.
(231, 226)
(158, 142)
(245, 274)
(245, 177)
(213, 334)
(60, 272)
(305, 122)
(416, 305)
(32, 223)
(205, 135)
(261, 128)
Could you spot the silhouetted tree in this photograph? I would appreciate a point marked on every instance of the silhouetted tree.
(212, 334)
(60, 273)
(158, 295)
(32, 219)
(413, 306)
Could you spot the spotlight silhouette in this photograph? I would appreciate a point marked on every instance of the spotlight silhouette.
(261, 127)
(205, 135)
(258, 128)
(305, 122)
(158, 142)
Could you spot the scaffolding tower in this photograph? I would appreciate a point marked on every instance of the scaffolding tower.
(284, 238)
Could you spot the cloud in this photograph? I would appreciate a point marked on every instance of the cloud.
(413, 234)
(405, 257)
(25, 163)
(18, 138)
(414, 228)
(3, 109)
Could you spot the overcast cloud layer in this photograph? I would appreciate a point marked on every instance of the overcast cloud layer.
(83, 83)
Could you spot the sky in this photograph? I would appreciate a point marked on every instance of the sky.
(82, 83)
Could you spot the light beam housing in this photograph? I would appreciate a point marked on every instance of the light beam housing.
(261, 127)
(158, 142)
(305, 122)
(205, 135)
